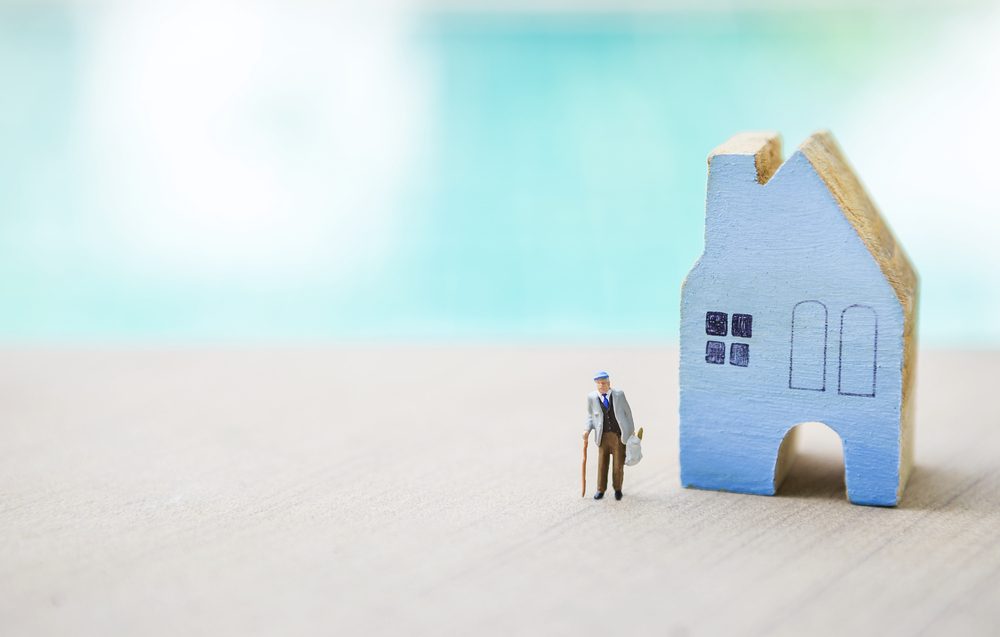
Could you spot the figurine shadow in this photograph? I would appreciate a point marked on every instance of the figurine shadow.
(929, 488)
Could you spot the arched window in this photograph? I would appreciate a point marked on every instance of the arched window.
(807, 357)
(858, 351)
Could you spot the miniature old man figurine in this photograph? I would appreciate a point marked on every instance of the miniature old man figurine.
(609, 415)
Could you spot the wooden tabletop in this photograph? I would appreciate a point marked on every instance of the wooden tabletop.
(423, 490)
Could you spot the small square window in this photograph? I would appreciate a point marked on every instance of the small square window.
(715, 352)
(739, 354)
(716, 323)
(742, 325)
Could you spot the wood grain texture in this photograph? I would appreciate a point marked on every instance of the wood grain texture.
(331, 491)
(798, 249)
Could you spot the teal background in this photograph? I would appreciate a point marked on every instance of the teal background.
(537, 177)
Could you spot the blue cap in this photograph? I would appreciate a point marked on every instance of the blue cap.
(601, 374)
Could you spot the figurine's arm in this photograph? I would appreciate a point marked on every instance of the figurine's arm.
(590, 420)
(627, 410)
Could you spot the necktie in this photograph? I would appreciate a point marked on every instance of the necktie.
(604, 397)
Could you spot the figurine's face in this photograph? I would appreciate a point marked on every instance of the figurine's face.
(603, 385)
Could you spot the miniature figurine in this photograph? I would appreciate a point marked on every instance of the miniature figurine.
(609, 416)
(802, 308)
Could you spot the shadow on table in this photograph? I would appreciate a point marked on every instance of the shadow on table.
(931, 488)
(943, 489)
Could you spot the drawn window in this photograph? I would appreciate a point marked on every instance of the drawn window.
(739, 354)
(715, 352)
(858, 351)
(807, 356)
(742, 325)
(715, 323)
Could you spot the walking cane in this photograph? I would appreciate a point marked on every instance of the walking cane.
(586, 441)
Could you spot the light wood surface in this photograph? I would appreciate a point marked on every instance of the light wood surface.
(373, 491)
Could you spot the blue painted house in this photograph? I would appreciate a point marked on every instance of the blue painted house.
(802, 308)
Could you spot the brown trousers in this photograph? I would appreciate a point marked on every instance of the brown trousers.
(611, 445)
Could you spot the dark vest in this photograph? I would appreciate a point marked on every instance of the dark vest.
(610, 422)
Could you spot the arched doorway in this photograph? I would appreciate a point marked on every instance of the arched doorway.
(811, 462)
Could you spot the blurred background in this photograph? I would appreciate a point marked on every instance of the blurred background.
(303, 171)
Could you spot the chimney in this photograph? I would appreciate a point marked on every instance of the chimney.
(736, 169)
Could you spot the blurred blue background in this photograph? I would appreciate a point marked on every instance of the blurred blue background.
(304, 171)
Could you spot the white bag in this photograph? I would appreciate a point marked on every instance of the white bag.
(633, 450)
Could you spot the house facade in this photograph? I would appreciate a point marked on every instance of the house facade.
(802, 308)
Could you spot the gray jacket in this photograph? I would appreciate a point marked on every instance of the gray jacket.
(595, 414)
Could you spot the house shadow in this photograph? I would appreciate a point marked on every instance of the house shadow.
(936, 488)
(930, 488)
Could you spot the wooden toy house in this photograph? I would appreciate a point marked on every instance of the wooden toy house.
(801, 308)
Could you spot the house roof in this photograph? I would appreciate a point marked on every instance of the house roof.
(830, 164)
(828, 161)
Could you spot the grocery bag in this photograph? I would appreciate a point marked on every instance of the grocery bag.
(633, 450)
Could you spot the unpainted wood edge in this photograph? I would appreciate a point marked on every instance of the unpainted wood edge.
(764, 146)
(786, 456)
(907, 408)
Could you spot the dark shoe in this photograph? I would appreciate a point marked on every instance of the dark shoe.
(598, 495)
(618, 495)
